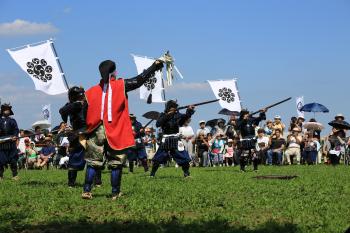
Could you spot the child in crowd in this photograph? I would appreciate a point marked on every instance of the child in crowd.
(229, 153)
(217, 149)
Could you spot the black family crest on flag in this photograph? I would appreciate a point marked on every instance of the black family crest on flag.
(227, 95)
(46, 114)
(299, 105)
(39, 69)
(150, 83)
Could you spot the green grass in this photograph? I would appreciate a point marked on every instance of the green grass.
(215, 200)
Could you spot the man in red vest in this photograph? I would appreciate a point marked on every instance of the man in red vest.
(109, 128)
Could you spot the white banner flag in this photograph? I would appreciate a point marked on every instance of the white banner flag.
(46, 111)
(154, 85)
(227, 92)
(300, 104)
(42, 65)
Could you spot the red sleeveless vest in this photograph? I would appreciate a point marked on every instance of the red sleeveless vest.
(119, 131)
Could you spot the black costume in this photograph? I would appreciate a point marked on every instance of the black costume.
(248, 138)
(75, 109)
(170, 141)
(138, 152)
(8, 148)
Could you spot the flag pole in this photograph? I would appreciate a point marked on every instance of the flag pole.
(29, 45)
(59, 63)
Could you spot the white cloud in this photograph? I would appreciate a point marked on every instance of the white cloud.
(26, 101)
(21, 27)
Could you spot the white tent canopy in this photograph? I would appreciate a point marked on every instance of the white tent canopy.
(44, 124)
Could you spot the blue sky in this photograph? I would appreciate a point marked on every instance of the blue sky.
(276, 49)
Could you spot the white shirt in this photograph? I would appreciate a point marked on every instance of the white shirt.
(205, 131)
(263, 139)
(186, 131)
(293, 142)
(22, 145)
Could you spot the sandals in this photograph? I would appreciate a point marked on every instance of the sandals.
(116, 196)
(86, 195)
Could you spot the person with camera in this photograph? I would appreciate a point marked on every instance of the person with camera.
(293, 146)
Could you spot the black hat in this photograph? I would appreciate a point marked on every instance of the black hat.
(6, 107)
(106, 67)
(243, 112)
(75, 93)
(170, 104)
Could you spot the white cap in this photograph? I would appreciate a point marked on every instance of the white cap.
(201, 121)
(277, 117)
(339, 115)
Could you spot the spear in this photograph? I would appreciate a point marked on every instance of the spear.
(272, 105)
(198, 104)
(153, 115)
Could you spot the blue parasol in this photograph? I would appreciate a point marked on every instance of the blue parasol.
(314, 107)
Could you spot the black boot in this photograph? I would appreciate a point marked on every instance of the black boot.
(131, 166)
(72, 176)
(145, 165)
(186, 169)
(154, 169)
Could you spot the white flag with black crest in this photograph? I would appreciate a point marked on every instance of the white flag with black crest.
(153, 88)
(300, 104)
(42, 65)
(46, 111)
(227, 92)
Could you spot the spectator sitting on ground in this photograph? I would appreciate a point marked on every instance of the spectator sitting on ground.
(46, 153)
(311, 148)
(262, 145)
(31, 154)
(277, 144)
(336, 145)
(294, 140)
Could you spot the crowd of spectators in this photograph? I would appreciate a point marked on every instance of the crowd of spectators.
(276, 144)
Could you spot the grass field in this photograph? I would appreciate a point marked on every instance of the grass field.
(214, 200)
